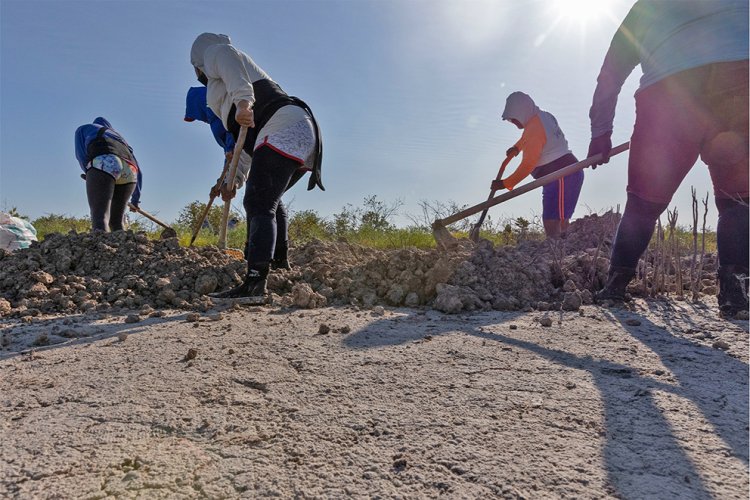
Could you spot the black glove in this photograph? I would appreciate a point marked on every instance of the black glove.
(603, 145)
(512, 151)
(497, 185)
(83, 176)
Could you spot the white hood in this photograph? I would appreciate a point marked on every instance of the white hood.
(203, 42)
(520, 107)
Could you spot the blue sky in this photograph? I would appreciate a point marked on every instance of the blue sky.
(408, 94)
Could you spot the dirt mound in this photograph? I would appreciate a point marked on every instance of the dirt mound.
(534, 274)
(80, 272)
(467, 278)
(564, 274)
(345, 273)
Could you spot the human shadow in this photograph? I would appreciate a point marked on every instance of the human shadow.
(643, 455)
(714, 381)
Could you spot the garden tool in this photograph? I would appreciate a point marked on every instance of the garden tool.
(168, 232)
(474, 233)
(230, 178)
(445, 239)
(214, 194)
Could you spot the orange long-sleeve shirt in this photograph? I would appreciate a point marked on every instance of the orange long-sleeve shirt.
(531, 144)
(542, 140)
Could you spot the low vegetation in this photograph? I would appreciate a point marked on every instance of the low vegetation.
(371, 224)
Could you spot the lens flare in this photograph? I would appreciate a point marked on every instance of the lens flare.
(580, 11)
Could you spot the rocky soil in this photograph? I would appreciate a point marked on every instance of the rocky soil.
(650, 401)
(476, 373)
(125, 271)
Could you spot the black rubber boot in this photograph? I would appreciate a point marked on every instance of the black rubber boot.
(617, 281)
(252, 291)
(733, 281)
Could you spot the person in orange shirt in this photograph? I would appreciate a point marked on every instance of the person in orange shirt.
(545, 150)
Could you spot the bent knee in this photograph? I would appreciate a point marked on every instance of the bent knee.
(725, 149)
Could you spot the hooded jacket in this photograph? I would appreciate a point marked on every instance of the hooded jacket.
(230, 73)
(197, 109)
(666, 37)
(109, 142)
(232, 77)
(542, 141)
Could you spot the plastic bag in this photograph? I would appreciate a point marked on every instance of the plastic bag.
(15, 233)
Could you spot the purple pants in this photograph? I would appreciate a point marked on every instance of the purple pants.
(701, 112)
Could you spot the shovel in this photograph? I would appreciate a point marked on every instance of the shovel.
(474, 233)
(230, 178)
(445, 239)
(168, 231)
(208, 205)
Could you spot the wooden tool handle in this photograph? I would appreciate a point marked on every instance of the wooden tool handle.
(203, 216)
(570, 169)
(148, 215)
(200, 221)
(493, 191)
(230, 179)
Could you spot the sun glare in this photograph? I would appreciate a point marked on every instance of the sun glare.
(580, 11)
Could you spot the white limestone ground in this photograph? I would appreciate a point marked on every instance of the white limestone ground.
(645, 402)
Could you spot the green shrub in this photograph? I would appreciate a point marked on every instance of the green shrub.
(190, 214)
(307, 225)
(56, 223)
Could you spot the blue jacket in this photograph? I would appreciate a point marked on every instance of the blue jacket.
(197, 109)
(86, 133)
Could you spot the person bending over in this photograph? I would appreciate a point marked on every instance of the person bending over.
(111, 172)
(545, 150)
(283, 140)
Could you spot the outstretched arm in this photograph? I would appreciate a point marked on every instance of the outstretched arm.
(622, 57)
(531, 144)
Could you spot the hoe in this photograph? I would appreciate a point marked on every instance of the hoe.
(445, 239)
(168, 232)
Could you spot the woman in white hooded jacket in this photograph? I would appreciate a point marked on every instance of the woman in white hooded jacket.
(283, 140)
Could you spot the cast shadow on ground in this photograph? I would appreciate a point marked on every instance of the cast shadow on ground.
(643, 455)
(78, 322)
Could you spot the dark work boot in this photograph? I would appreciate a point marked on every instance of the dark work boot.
(281, 259)
(617, 281)
(733, 281)
(252, 291)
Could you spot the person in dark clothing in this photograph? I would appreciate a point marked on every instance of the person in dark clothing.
(111, 172)
(283, 140)
(692, 102)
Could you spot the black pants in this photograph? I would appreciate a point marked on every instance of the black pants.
(107, 201)
(269, 177)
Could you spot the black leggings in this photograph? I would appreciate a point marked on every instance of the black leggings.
(107, 201)
(269, 177)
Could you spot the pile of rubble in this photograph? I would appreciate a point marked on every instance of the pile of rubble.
(470, 277)
(532, 274)
(80, 272)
